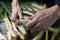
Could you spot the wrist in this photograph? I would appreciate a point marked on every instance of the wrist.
(58, 11)
(55, 10)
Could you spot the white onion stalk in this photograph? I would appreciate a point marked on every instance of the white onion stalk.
(2, 37)
(39, 6)
(8, 32)
(22, 32)
(26, 12)
(15, 29)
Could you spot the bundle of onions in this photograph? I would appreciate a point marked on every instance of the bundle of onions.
(16, 30)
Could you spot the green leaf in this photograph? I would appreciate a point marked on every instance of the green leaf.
(46, 38)
(39, 36)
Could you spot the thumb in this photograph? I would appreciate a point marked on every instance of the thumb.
(20, 15)
(19, 12)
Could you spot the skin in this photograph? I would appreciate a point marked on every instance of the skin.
(16, 11)
(41, 20)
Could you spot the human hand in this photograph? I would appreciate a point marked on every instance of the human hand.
(16, 12)
(42, 20)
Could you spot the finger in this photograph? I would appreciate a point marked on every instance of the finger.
(39, 23)
(37, 14)
(39, 29)
(32, 22)
(38, 26)
(14, 16)
(44, 22)
(42, 28)
(35, 19)
(20, 15)
(19, 12)
(14, 13)
(33, 16)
